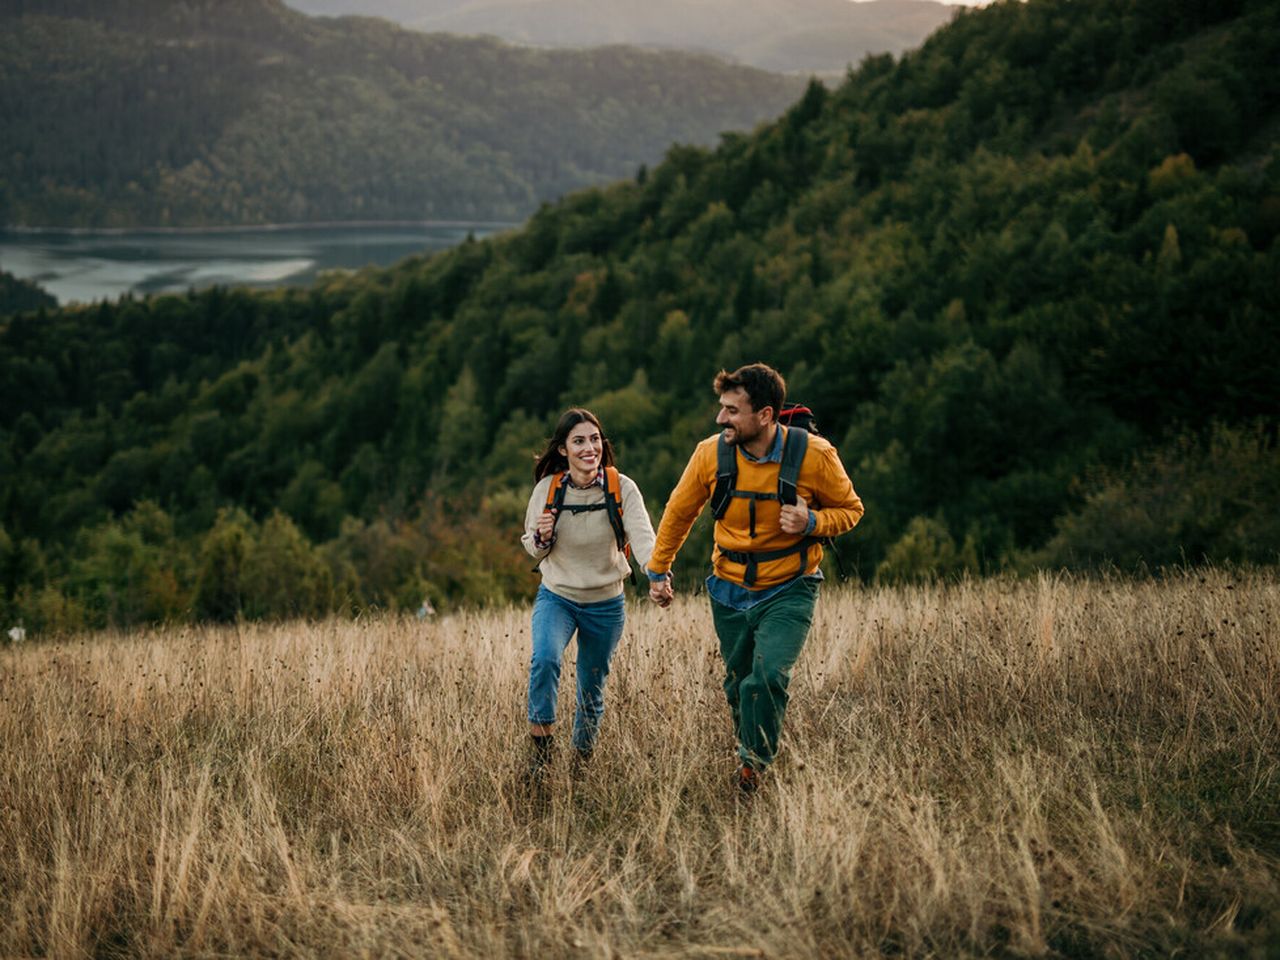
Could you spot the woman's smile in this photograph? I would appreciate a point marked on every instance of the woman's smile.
(583, 449)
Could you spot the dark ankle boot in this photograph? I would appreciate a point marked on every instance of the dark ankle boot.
(540, 754)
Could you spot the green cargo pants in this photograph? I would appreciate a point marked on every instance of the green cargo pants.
(759, 647)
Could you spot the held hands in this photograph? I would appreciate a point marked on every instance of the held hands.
(661, 592)
(795, 517)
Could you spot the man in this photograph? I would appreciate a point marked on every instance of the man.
(766, 557)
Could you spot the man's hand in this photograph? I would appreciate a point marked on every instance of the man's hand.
(795, 517)
(661, 592)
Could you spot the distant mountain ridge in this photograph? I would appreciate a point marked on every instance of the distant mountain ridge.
(806, 36)
(244, 111)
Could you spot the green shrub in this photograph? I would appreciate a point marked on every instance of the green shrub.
(1213, 499)
(927, 551)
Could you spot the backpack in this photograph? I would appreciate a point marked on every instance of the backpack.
(800, 422)
(612, 505)
(798, 415)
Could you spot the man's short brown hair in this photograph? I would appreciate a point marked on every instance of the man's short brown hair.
(762, 384)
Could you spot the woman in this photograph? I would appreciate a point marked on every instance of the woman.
(581, 516)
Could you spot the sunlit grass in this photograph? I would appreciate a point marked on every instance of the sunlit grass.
(1050, 767)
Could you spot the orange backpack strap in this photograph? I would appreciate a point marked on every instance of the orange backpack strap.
(613, 504)
(555, 492)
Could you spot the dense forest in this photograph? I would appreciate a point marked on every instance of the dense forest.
(153, 113)
(791, 36)
(18, 295)
(1029, 277)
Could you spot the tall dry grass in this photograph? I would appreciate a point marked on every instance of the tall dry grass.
(1051, 767)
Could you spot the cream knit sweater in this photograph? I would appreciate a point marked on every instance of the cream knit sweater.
(584, 563)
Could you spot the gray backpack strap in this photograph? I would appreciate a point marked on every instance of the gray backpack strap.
(726, 477)
(792, 457)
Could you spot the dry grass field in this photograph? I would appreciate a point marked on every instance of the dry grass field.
(1040, 768)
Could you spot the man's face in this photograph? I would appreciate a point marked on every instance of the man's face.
(740, 423)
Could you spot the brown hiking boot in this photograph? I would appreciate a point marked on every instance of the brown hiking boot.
(747, 780)
(538, 762)
(581, 761)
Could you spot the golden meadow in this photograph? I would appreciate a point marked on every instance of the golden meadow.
(1043, 767)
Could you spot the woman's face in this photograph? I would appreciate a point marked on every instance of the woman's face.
(583, 448)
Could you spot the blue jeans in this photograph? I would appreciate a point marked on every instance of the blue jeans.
(599, 627)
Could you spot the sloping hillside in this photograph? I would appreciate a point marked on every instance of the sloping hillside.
(17, 295)
(152, 113)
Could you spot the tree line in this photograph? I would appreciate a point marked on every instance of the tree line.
(18, 295)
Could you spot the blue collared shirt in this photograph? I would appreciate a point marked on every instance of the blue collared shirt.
(734, 595)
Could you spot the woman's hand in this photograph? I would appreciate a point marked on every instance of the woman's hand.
(546, 525)
(661, 591)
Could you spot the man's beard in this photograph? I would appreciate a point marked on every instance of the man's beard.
(741, 439)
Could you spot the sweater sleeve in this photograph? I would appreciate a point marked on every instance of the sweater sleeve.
(841, 506)
(635, 518)
(683, 506)
(537, 502)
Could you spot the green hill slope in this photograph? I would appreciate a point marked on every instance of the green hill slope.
(207, 113)
(17, 295)
(1026, 275)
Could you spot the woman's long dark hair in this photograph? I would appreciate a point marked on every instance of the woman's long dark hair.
(552, 460)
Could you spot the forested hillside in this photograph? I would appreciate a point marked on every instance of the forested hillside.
(1027, 275)
(17, 295)
(799, 36)
(154, 113)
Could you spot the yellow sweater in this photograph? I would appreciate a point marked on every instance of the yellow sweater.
(822, 483)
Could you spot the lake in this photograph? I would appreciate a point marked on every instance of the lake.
(84, 266)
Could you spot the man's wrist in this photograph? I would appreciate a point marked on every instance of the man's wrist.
(657, 577)
(813, 523)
